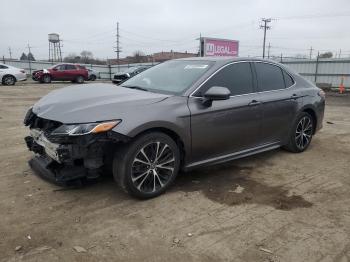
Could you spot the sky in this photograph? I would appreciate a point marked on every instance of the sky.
(163, 25)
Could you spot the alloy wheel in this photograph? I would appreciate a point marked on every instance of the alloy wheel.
(153, 167)
(47, 79)
(9, 80)
(303, 132)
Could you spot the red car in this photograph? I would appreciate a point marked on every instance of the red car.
(62, 72)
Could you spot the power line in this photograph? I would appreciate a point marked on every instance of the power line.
(265, 27)
(313, 16)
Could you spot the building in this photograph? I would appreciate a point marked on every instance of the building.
(164, 56)
(154, 58)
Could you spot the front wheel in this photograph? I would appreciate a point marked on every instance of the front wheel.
(146, 167)
(301, 135)
(46, 79)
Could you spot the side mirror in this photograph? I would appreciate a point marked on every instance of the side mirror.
(215, 93)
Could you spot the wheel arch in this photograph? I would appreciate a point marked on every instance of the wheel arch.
(8, 75)
(171, 133)
(312, 113)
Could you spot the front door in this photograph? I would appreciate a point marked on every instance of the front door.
(226, 126)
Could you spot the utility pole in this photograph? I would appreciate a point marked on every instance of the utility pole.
(268, 51)
(265, 27)
(10, 52)
(200, 44)
(311, 49)
(29, 62)
(339, 52)
(118, 50)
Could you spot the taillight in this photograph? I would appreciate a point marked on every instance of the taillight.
(322, 94)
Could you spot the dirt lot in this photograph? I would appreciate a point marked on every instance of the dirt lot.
(276, 206)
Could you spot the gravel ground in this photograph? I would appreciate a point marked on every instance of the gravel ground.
(275, 206)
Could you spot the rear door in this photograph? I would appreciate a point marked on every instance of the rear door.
(226, 126)
(71, 72)
(279, 101)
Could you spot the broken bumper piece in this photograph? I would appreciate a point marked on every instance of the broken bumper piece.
(41, 166)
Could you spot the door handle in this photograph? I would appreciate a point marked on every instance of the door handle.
(254, 103)
(294, 96)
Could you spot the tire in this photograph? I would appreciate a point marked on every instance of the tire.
(8, 80)
(79, 80)
(147, 166)
(92, 78)
(301, 134)
(46, 79)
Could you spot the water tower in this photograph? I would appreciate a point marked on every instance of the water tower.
(55, 54)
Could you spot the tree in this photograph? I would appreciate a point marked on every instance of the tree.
(72, 58)
(23, 57)
(139, 57)
(86, 57)
(31, 57)
(326, 55)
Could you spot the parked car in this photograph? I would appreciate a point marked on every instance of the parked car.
(130, 72)
(9, 75)
(93, 74)
(178, 115)
(61, 72)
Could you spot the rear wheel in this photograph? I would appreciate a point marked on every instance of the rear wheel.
(301, 135)
(146, 167)
(8, 80)
(79, 79)
(92, 78)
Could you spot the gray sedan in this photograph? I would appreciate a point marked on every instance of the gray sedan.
(178, 115)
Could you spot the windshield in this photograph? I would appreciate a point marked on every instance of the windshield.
(172, 77)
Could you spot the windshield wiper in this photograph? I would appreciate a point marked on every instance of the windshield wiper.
(136, 87)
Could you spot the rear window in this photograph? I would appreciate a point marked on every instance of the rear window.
(270, 77)
(70, 67)
(288, 79)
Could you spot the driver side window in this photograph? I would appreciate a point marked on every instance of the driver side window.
(60, 67)
(238, 78)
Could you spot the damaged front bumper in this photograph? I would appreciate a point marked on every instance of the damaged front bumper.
(64, 159)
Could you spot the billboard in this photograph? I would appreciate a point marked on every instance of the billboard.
(218, 47)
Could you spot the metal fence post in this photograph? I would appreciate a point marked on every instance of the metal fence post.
(3, 59)
(110, 71)
(316, 69)
(30, 66)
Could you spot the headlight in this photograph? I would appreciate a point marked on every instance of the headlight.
(84, 129)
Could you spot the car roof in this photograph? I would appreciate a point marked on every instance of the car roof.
(224, 59)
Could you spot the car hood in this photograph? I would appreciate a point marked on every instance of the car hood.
(93, 102)
(121, 74)
(37, 71)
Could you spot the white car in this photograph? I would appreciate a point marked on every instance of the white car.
(9, 75)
